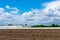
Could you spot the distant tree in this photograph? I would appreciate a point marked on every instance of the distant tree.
(25, 24)
(38, 26)
(53, 25)
(42, 26)
(1, 24)
(35, 26)
(21, 24)
(10, 24)
(17, 24)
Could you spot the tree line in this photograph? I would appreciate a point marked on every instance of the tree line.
(52, 25)
(14, 25)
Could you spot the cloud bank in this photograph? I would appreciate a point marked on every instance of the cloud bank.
(49, 15)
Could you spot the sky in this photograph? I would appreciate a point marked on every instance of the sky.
(31, 12)
(23, 5)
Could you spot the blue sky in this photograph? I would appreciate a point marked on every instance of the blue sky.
(31, 12)
(23, 5)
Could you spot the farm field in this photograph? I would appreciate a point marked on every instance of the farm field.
(29, 34)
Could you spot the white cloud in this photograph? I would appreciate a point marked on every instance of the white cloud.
(52, 5)
(50, 14)
(14, 10)
(8, 7)
(52, 9)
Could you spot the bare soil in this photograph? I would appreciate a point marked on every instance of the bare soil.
(29, 34)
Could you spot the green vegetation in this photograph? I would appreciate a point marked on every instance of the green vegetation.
(10, 24)
(52, 25)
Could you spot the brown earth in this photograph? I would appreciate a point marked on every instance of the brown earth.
(29, 34)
